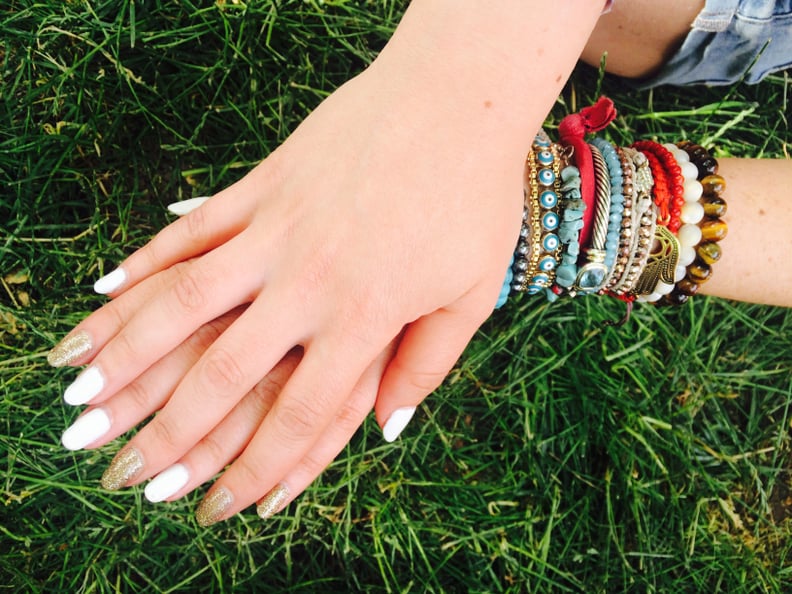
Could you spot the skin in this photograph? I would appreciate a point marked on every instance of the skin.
(438, 131)
(273, 363)
(750, 269)
(639, 36)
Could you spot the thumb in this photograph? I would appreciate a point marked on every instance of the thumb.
(426, 353)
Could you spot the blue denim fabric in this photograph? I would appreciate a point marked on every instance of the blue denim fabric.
(731, 40)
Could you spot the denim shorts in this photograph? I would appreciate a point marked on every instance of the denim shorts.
(731, 40)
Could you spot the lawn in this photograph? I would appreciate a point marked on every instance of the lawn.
(560, 455)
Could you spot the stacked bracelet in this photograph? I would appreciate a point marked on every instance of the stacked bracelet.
(639, 223)
(705, 251)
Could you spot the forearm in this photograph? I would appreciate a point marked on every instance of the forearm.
(756, 265)
(498, 66)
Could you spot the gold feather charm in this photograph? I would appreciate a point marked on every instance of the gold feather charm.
(661, 264)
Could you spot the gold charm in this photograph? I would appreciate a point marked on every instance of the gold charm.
(661, 264)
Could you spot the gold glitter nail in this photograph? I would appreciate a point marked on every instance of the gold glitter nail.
(213, 507)
(273, 502)
(124, 466)
(69, 349)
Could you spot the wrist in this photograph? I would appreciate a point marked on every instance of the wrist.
(490, 63)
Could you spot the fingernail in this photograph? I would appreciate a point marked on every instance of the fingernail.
(86, 429)
(397, 422)
(83, 389)
(273, 502)
(127, 463)
(110, 282)
(186, 206)
(166, 483)
(213, 507)
(70, 349)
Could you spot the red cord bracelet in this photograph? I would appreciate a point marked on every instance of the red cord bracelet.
(572, 130)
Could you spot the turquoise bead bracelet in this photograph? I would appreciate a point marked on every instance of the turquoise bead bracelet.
(569, 228)
(613, 164)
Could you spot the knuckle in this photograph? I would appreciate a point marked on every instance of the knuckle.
(296, 421)
(263, 395)
(195, 225)
(312, 465)
(424, 382)
(118, 315)
(165, 434)
(214, 451)
(206, 335)
(348, 419)
(221, 371)
(124, 348)
(249, 472)
(190, 290)
(316, 276)
(139, 395)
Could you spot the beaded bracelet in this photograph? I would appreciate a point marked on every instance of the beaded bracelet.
(666, 187)
(614, 167)
(712, 228)
(644, 218)
(527, 245)
(548, 161)
(625, 230)
(537, 253)
(572, 209)
(638, 223)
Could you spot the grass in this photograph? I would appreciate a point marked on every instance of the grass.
(560, 455)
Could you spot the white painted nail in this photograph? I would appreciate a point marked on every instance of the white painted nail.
(397, 422)
(166, 483)
(110, 282)
(86, 430)
(83, 389)
(187, 206)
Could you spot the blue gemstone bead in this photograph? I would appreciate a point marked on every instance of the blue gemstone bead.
(548, 199)
(546, 177)
(565, 275)
(550, 242)
(547, 264)
(538, 282)
(545, 157)
(570, 172)
(591, 278)
(550, 221)
(567, 235)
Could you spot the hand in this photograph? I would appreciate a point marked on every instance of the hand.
(148, 393)
(391, 212)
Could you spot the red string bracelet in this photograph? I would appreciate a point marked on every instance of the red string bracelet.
(670, 191)
(572, 130)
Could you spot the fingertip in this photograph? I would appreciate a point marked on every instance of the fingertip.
(214, 506)
(396, 423)
(110, 282)
(167, 483)
(184, 207)
(86, 429)
(71, 349)
(273, 502)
